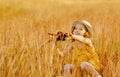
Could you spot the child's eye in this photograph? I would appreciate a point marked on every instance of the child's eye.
(75, 28)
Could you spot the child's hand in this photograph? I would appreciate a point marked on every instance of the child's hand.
(59, 52)
(83, 39)
(72, 36)
(75, 36)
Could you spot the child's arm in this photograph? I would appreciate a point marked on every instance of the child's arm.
(83, 39)
(67, 50)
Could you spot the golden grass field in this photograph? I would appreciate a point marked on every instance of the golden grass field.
(24, 25)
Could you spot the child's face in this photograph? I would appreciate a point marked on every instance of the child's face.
(79, 30)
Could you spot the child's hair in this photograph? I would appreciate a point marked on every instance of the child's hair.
(86, 24)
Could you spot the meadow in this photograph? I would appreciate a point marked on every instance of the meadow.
(24, 27)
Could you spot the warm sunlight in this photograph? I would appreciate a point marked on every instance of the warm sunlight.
(24, 26)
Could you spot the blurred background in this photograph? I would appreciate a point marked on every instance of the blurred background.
(24, 27)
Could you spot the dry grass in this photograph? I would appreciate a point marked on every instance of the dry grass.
(24, 26)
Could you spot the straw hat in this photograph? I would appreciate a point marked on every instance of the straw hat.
(87, 25)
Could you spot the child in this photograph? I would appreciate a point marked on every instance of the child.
(85, 56)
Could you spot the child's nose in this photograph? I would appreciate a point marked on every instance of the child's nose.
(77, 30)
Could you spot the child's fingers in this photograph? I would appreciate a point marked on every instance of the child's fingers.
(70, 34)
(73, 36)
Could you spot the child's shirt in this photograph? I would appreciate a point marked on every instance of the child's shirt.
(79, 55)
(85, 53)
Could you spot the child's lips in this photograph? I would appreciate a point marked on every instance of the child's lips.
(77, 33)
